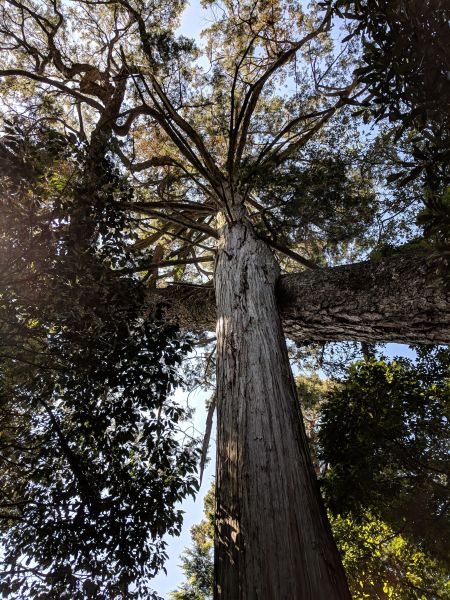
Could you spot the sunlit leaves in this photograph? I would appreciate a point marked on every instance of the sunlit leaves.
(380, 563)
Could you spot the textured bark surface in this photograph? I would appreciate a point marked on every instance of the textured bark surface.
(397, 299)
(273, 540)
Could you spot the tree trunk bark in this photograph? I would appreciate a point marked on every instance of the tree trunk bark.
(396, 299)
(273, 539)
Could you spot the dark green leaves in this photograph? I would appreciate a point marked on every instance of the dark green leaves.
(384, 436)
(92, 464)
(404, 67)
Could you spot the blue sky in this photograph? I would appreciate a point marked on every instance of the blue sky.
(164, 584)
(194, 19)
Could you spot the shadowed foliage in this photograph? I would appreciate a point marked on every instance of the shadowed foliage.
(92, 463)
(384, 437)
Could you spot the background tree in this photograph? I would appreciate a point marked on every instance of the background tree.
(92, 464)
(381, 563)
(200, 146)
(384, 438)
(197, 562)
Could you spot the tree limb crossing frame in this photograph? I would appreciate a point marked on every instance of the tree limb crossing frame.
(396, 299)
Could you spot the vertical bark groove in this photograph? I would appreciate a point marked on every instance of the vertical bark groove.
(273, 541)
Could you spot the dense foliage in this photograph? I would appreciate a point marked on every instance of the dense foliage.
(92, 463)
(405, 55)
(384, 438)
(381, 563)
(404, 68)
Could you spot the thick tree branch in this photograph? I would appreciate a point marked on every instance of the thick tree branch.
(56, 84)
(397, 299)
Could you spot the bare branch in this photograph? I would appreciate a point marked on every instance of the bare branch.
(309, 264)
(168, 263)
(179, 220)
(254, 92)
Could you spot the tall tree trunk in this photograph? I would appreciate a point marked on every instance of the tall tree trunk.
(273, 539)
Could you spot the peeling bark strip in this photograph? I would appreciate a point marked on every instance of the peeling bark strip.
(397, 299)
(273, 540)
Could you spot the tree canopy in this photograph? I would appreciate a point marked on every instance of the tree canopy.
(142, 166)
(384, 438)
(404, 60)
(277, 99)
